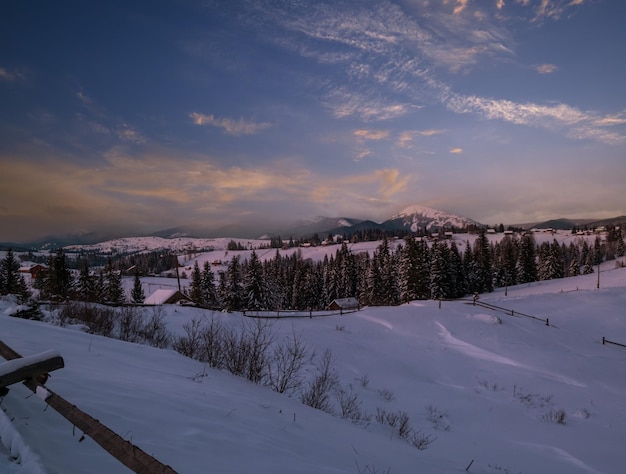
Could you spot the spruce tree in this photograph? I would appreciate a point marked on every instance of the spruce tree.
(234, 297)
(439, 272)
(86, 285)
(196, 291)
(209, 292)
(10, 271)
(483, 261)
(137, 296)
(114, 293)
(527, 263)
(254, 289)
(57, 281)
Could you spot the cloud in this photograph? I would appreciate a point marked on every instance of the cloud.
(230, 126)
(345, 103)
(460, 6)
(14, 75)
(576, 123)
(550, 9)
(128, 134)
(405, 138)
(371, 134)
(546, 68)
(456, 151)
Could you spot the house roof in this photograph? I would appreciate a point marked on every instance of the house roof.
(345, 303)
(160, 296)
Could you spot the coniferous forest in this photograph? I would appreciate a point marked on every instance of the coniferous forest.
(416, 269)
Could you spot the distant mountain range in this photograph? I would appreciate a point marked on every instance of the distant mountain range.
(411, 218)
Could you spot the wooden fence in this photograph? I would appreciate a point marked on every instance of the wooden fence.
(127, 453)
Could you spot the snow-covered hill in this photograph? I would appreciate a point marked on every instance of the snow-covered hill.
(417, 217)
(487, 387)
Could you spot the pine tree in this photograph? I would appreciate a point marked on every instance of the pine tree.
(619, 246)
(573, 268)
(233, 297)
(597, 251)
(137, 296)
(22, 291)
(86, 285)
(457, 275)
(550, 261)
(527, 263)
(209, 292)
(56, 282)
(254, 289)
(114, 293)
(439, 272)
(10, 271)
(196, 291)
(483, 261)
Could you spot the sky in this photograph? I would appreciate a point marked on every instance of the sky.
(133, 117)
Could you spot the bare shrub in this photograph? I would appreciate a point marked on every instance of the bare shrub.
(246, 352)
(317, 392)
(555, 416)
(363, 380)
(189, 344)
(287, 361)
(129, 324)
(399, 422)
(386, 394)
(438, 418)
(98, 319)
(350, 406)
(371, 470)
(212, 343)
(420, 440)
(154, 330)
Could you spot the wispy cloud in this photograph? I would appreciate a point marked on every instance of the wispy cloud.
(230, 126)
(346, 103)
(546, 68)
(456, 151)
(576, 123)
(405, 138)
(371, 134)
(459, 7)
(11, 75)
(549, 9)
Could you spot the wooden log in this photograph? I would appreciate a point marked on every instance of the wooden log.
(124, 451)
(25, 368)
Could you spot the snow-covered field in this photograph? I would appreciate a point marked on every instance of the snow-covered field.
(488, 386)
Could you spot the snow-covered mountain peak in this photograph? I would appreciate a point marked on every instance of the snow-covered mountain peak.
(416, 216)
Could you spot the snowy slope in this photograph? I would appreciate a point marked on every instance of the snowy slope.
(416, 217)
(483, 383)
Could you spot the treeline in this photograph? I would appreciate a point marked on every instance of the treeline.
(414, 270)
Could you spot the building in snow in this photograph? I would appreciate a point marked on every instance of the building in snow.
(165, 296)
(344, 304)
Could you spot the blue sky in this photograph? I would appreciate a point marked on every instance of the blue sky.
(134, 116)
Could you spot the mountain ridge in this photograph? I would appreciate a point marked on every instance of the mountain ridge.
(411, 218)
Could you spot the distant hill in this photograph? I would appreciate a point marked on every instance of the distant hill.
(417, 217)
(567, 224)
(412, 218)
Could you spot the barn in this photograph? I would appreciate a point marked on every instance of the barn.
(165, 296)
(344, 304)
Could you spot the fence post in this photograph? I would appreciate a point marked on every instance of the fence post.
(603, 340)
(547, 321)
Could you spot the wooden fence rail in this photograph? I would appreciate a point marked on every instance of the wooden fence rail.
(606, 341)
(510, 312)
(127, 453)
